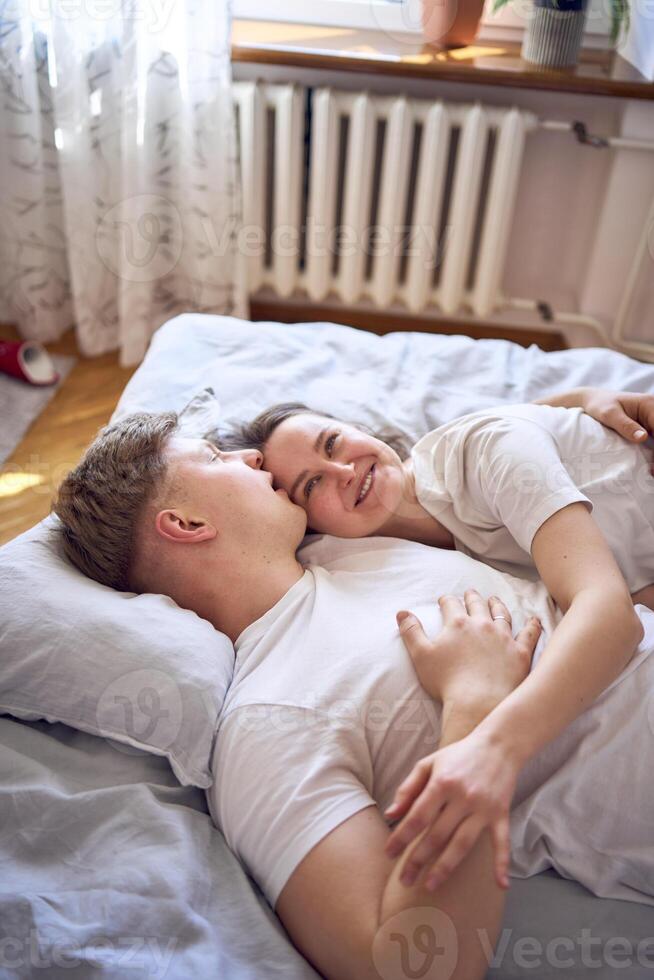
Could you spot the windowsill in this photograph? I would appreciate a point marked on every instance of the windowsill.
(351, 49)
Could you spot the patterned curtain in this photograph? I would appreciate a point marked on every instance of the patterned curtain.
(119, 191)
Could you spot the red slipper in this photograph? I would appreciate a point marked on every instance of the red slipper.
(27, 360)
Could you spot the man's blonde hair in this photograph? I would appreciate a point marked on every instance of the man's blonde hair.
(100, 501)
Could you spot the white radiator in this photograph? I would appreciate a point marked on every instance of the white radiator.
(362, 196)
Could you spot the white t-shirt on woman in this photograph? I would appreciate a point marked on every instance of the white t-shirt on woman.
(494, 477)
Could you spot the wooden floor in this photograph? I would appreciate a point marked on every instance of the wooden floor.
(55, 441)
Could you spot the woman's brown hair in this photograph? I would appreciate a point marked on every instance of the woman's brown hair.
(255, 434)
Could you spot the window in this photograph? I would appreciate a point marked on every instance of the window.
(403, 16)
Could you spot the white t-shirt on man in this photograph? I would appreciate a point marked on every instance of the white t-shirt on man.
(494, 477)
(325, 716)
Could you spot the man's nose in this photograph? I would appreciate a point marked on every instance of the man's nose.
(253, 457)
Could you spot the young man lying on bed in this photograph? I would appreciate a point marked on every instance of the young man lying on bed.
(326, 714)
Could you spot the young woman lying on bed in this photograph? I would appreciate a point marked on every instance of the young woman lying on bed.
(541, 490)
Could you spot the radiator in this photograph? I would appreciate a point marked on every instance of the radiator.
(362, 196)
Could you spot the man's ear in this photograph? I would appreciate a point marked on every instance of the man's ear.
(175, 526)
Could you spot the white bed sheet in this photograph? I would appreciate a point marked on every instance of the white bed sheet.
(413, 382)
(95, 840)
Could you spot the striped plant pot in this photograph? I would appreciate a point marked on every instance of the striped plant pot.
(554, 32)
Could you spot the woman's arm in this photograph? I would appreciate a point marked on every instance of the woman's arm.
(629, 413)
(590, 646)
(470, 666)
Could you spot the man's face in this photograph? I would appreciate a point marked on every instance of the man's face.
(232, 492)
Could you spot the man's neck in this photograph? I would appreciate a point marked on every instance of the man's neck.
(242, 597)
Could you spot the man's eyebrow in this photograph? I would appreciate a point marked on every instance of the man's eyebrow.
(316, 446)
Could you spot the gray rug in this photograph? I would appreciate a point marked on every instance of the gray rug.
(21, 403)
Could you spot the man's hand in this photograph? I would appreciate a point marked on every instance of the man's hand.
(628, 413)
(466, 785)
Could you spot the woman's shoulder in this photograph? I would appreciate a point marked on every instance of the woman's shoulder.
(495, 420)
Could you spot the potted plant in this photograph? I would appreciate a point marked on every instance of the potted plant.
(555, 29)
(451, 23)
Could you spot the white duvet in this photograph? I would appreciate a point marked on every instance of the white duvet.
(411, 381)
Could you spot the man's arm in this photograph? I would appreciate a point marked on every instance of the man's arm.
(347, 912)
(629, 413)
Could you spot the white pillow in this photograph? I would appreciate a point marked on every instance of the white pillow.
(134, 668)
(200, 415)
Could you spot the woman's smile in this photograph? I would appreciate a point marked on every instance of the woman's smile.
(365, 486)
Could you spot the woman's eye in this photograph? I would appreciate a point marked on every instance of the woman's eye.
(309, 487)
(329, 445)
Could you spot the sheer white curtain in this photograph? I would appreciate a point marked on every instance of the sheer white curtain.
(119, 185)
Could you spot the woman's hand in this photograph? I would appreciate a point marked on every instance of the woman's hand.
(474, 657)
(468, 785)
(458, 791)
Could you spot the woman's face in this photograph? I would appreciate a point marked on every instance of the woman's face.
(348, 482)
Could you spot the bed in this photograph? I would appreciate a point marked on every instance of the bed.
(110, 867)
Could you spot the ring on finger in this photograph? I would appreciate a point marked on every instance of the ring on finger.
(498, 610)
